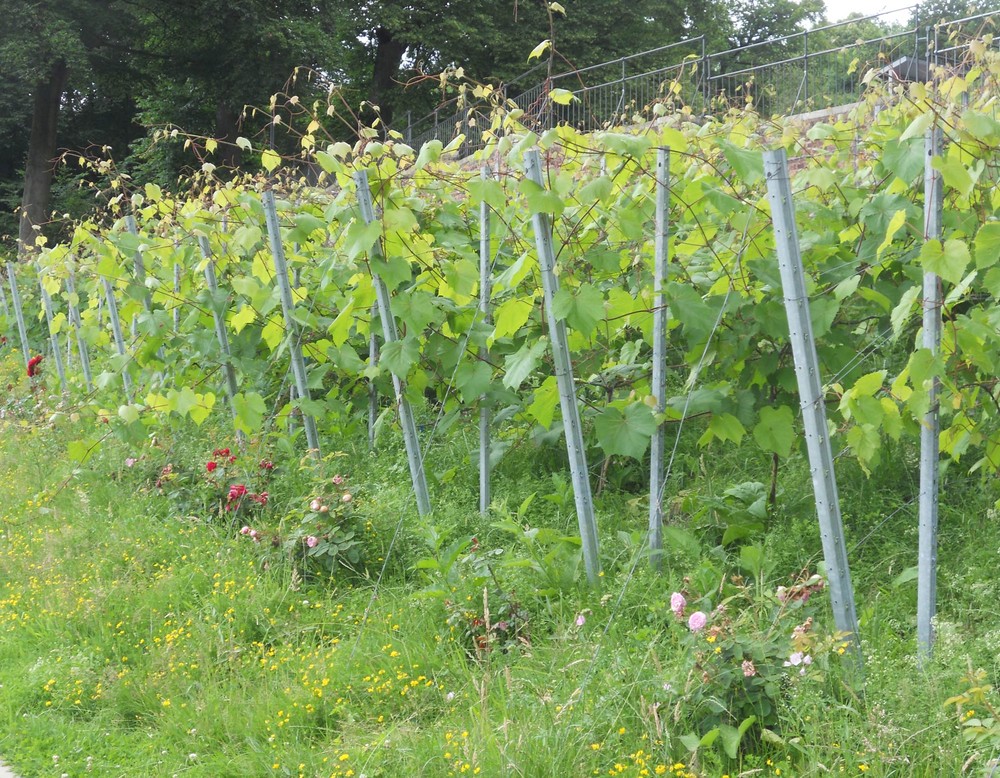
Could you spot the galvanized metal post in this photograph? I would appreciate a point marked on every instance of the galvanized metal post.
(3, 302)
(929, 430)
(140, 272)
(779, 194)
(116, 330)
(485, 292)
(74, 317)
(177, 297)
(413, 456)
(288, 306)
(372, 389)
(564, 378)
(15, 297)
(53, 335)
(220, 326)
(657, 474)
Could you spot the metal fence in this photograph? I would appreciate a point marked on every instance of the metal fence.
(814, 69)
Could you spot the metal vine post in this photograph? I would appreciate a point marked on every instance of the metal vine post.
(660, 275)
(564, 379)
(779, 194)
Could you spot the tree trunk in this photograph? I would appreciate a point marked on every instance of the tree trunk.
(388, 57)
(39, 166)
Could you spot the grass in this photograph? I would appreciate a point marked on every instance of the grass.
(141, 634)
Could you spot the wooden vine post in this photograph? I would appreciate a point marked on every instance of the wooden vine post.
(657, 474)
(929, 429)
(389, 335)
(779, 194)
(288, 306)
(564, 379)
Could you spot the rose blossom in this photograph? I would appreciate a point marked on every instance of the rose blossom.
(347, 497)
(315, 505)
(312, 541)
(245, 530)
(677, 604)
(210, 466)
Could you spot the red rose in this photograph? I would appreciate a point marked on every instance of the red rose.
(210, 466)
(33, 365)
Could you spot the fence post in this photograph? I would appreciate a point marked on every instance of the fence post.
(53, 336)
(485, 292)
(706, 73)
(288, 306)
(657, 476)
(74, 317)
(220, 328)
(372, 389)
(116, 330)
(779, 194)
(805, 71)
(929, 442)
(564, 379)
(413, 456)
(15, 297)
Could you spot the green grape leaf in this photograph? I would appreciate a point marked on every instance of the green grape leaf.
(723, 426)
(625, 432)
(775, 431)
(748, 165)
(472, 379)
(948, 260)
(543, 405)
(581, 308)
(400, 355)
(987, 245)
(518, 366)
(250, 409)
(511, 316)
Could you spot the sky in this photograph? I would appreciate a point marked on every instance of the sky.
(837, 10)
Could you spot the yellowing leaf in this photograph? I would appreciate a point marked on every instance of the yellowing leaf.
(557, 8)
(540, 49)
(244, 144)
(211, 145)
(562, 96)
(270, 159)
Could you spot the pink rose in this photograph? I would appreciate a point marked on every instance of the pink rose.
(677, 604)
(312, 541)
(245, 531)
(315, 505)
(697, 621)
